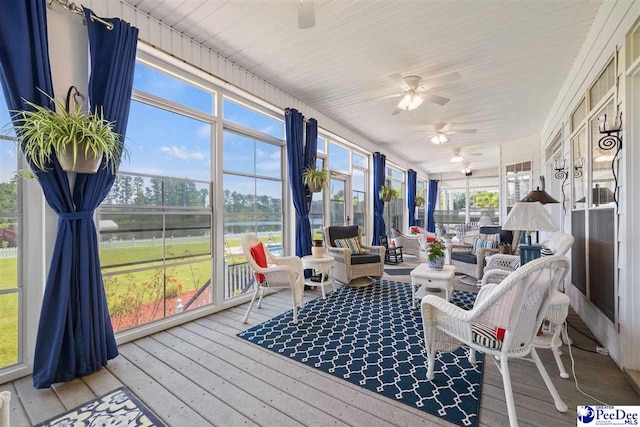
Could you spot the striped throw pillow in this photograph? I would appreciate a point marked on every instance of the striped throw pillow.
(351, 243)
(482, 243)
(492, 237)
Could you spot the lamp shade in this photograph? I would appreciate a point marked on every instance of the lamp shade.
(529, 216)
(539, 195)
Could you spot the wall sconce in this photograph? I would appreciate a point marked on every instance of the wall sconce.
(560, 166)
(609, 141)
(577, 167)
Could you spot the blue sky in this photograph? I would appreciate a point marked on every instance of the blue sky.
(8, 149)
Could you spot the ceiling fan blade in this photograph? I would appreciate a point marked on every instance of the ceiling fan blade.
(454, 131)
(440, 80)
(396, 112)
(306, 14)
(473, 154)
(440, 100)
(399, 80)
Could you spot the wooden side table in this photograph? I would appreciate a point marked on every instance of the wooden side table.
(322, 266)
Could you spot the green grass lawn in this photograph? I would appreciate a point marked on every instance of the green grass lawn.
(8, 329)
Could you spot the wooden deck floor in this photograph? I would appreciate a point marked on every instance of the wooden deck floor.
(201, 374)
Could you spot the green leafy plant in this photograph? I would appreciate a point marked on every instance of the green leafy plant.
(43, 131)
(436, 250)
(387, 193)
(315, 179)
(25, 174)
(419, 200)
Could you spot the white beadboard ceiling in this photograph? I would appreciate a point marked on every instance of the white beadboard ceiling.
(512, 55)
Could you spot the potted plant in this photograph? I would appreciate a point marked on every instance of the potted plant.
(419, 200)
(388, 193)
(315, 179)
(80, 140)
(436, 255)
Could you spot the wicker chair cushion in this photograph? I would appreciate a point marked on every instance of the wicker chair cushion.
(482, 243)
(260, 257)
(505, 235)
(365, 259)
(351, 243)
(487, 336)
(340, 232)
(466, 258)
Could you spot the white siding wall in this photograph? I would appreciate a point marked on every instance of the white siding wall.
(607, 34)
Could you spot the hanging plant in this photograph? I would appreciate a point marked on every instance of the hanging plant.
(388, 193)
(419, 200)
(315, 179)
(80, 140)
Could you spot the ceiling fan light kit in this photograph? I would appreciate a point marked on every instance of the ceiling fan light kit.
(410, 101)
(439, 138)
(457, 158)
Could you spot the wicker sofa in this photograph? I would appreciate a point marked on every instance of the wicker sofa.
(472, 265)
(347, 266)
(413, 244)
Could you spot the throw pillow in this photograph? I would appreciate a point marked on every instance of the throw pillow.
(482, 243)
(260, 257)
(544, 251)
(491, 237)
(415, 230)
(352, 243)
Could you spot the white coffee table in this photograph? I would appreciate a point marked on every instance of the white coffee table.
(322, 266)
(426, 277)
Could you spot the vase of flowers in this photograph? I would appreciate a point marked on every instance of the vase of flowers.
(436, 255)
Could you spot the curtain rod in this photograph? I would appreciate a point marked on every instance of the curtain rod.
(74, 8)
(304, 119)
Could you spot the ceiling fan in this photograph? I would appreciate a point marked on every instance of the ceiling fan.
(306, 14)
(466, 169)
(441, 130)
(458, 156)
(414, 90)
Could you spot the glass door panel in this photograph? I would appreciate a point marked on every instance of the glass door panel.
(338, 214)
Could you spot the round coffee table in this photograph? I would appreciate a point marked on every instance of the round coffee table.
(322, 266)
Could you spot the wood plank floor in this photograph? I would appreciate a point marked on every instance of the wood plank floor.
(201, 374)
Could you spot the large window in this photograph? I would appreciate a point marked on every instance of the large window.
(451, 204)
(394, 210)
(579, 162)
(421, 212)
(10, 286)
(252, 182)
(316, 213)
(359, 185)
(518, 182)
(155, 224)
(602, 178)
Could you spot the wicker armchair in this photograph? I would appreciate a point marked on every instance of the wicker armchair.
(502, 324)
(471, 265)
(348, 266)
(415, 244)
(281, 273)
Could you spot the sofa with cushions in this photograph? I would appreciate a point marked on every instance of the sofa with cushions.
(469, 259)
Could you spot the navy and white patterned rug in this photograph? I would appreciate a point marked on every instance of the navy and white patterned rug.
(116, 408)
(372, 338)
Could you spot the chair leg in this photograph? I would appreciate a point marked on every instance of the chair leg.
(431, 357)
(556, 343)
(472, 356)
(508, 391)
(560, 405)
(261, 295)
(255, 294)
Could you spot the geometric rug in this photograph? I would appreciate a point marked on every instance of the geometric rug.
(371, 337)
(116, 408)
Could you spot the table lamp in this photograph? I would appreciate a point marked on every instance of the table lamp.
(529, 216)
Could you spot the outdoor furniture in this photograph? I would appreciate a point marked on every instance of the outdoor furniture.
(500, 266)
(414, 244)
(430, 280)
(502, 324)
(348, 266)
(322, 266)
(467, 263)
(393, 254)
(277, 273)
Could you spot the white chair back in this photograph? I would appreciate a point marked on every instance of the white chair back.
(559, 243)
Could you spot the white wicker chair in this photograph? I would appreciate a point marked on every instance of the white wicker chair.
(501, 266)
(517, 305)
(280, 273)
(414, 244)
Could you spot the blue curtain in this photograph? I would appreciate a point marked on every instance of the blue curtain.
(74, 334)
(432, 200)
(412, 184)
(379, 166)
(294, 125)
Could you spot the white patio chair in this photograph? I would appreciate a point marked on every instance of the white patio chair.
(280, 273)
(517, 305)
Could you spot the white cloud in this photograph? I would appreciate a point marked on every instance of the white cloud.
(182, 153)
(204, 132)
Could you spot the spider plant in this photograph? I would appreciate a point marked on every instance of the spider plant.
(315, 179)
(76, 137)
(388, 193)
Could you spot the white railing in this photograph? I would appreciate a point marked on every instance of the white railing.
(136, 243)
(8, 253)
(236, 278)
